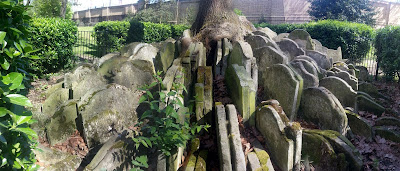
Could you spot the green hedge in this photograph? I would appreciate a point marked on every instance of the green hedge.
(387, 46)
(55, 38)
(354, 38)
(111, 35)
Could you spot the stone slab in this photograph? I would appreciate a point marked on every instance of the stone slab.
(238, 159)
(222, 138)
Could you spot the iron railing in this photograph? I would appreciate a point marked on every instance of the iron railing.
(86, 46)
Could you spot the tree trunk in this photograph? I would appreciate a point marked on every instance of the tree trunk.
(216, 20)
(63, 9)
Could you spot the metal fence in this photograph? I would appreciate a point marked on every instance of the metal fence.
(86, 46)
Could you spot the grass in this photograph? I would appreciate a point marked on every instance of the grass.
(85, 28)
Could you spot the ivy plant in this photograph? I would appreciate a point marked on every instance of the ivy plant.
(162, 127)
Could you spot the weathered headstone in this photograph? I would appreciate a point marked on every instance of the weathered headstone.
(302, 38)
(321, 59)
(238, 159)
(309, 80)
(222, 136)
(265, 31)
(359, 126)
(281, 83)
(241, 54)
(165, 56)
(107, 110)
(62, 124)
(336, 55)
(132, 76)
(54, 102)
(258, 41)
(271, 126)
(290, 48)
(342, 91)
(280, 37)
(243, 94)
(351, 80)
(321, 107)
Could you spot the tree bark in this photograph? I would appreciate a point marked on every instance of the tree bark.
(63, 9)
(216, 20)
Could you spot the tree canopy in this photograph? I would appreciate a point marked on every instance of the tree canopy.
(52, 8)
(359, 11)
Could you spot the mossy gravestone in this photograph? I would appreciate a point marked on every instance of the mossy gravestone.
(321, 107)
(281, 83)
(104, 111)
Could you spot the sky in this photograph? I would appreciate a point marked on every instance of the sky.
(86, 4)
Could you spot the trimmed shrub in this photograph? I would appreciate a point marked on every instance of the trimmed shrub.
(177, 30)
(55, 38)
(387, 46)
(152, 32)
(354, 38)
(111, 35)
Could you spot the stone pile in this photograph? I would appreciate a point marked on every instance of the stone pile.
(307, 80)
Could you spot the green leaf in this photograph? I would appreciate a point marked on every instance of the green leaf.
(18, 119)
(149, 94)
(143, 160)
(18, 47)
(148, 142)
(3, 140)
(16, 30)
(28, 131)
(5, 65)
(18, 100)
(152, 84)
(4, 111)
(144, 143)
(3, 162)
(34, 57)
(2, 36)
(14, 78)
(142, 99)
(146, 114)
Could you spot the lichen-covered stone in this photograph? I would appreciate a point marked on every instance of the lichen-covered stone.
(258, 41)
(253, 162)
(283, 84)
(165, 56)
(52, 159)
(387, 133)
(242, 55)
(290, 48)
(201, 164)
(302, 38)
(192, 163)
(267, 57)
(271, 126)
(112, 108)
(132, 49)
(109, 67)
(263, 156)
(238, 159)
(115, 154)
(222, 138)
(370, 89)
(342, 145)
(321, 59)
(325, 157)
(62, 124)
(243, 94)
(280, 36)
(309, 80)
(54, 102)
(319, 47)
(351, 80)
(105, 58)
(364, 103)
(336, 55)
(342, 91)
(387, 121)
(51, 89)
(321, 107)
(359, 125)
(265, 31)
(132, 76)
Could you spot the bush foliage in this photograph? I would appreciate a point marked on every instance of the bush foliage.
(55, 38)
(387, 46)
(112, 35)
(17, 139)
(354, 38)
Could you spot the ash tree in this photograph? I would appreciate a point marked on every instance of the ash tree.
(359, 11)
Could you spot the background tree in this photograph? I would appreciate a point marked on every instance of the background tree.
(156, 11)
(51, 8)
(216, 19)
(359, 11)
